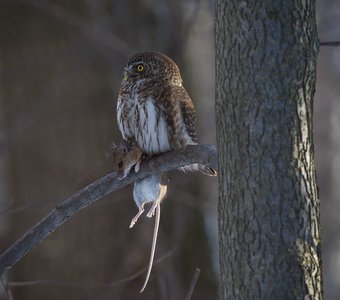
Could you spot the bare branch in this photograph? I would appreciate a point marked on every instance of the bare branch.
(4, 291)
(332, 44)
(193, 284)
(205, 154)
(87, 284)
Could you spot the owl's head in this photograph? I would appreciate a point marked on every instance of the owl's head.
(152, 65)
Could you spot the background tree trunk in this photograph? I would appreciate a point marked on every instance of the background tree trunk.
(269, 228)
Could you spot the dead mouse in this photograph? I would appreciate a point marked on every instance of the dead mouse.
(125, 156)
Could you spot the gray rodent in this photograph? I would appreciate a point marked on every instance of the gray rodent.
(151, 189)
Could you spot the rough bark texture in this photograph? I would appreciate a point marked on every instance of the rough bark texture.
(269, 227)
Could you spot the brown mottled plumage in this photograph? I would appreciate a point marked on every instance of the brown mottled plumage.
(153, 107)
(155, 112)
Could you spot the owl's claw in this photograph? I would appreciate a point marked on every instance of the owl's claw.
(125, 146)
(137, 166)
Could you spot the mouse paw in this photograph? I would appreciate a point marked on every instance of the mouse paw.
(151, 212)
(136, 217)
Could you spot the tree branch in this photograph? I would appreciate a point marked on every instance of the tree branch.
(332, 43)
(205, 154)
(193, 284)
(88, 284)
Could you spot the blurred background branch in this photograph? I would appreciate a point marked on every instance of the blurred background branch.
(332, 43)
(87, 284)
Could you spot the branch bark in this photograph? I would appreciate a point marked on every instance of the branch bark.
(205, 154)
(331, 44)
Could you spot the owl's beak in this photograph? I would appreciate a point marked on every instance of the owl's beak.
(128, 73)
(125, 75)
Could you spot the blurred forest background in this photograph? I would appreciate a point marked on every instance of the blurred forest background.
(61, 64)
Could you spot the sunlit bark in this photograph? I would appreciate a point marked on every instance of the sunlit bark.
(269, 226)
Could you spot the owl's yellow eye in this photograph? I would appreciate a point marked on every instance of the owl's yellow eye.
(140, 68)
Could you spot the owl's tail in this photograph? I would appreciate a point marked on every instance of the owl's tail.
(206, 170)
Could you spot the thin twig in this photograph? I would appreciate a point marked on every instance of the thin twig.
(88, 284)
(4, 290)
(24, 207)
(331, 44)
(204, 154)
(193, 284)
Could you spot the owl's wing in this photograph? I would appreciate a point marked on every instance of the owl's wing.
(179, 112)
(189, 117)
(188, 113)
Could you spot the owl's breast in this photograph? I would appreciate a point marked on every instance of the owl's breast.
(125, 117)
(151, 132)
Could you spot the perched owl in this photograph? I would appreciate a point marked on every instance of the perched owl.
(155, 114)
(154, 110)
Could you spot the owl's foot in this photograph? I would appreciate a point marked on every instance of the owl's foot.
(137, 166)
(136, 217)
(206, 170)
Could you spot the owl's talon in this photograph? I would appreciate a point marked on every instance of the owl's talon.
(137, 166)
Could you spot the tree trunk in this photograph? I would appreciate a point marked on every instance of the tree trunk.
(269, 225)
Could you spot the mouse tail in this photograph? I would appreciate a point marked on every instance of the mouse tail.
(153, 246)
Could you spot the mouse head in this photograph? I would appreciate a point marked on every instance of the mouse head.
(119, 153)
(125, 157)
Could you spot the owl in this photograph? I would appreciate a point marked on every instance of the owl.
(154, 110)
(156, 115)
